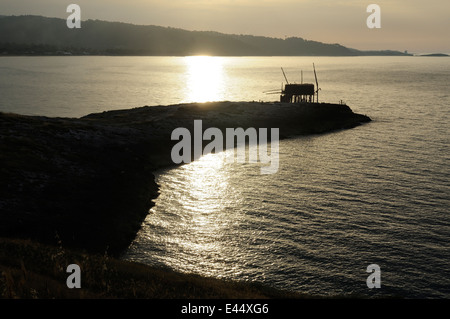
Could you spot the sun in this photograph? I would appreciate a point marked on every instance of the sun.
(205, 78)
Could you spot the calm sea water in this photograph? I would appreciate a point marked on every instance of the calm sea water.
(376, 194)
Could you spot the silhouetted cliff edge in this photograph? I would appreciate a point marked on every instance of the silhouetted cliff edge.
(88, 182)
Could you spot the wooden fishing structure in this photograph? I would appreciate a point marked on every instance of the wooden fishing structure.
(298, 93)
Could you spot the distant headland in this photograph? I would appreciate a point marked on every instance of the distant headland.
(37, 35)
(435, 54)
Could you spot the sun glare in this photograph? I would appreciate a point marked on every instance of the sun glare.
(204, 78)
(207, 184)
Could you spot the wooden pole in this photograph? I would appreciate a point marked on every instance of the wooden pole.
(285, 76)
(317, 84)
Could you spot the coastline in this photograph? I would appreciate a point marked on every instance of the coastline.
(87, 182)
(78, 189)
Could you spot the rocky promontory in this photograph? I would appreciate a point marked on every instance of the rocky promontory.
(87, 182)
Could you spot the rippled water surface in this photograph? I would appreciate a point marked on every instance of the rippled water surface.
(375, 194)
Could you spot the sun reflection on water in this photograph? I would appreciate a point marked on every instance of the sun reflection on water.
(200, 219)
(207, 185)
(205, 78)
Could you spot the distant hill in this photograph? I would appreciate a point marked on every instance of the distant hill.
(37, 35)
(435, 54)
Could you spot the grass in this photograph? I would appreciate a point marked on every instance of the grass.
(29, 270)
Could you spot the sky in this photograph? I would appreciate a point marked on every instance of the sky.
(412, 25)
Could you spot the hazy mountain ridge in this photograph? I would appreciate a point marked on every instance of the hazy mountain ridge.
(48, 36)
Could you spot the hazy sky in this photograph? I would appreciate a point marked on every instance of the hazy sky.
(413, 25)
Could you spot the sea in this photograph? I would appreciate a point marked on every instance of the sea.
(345, 209)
